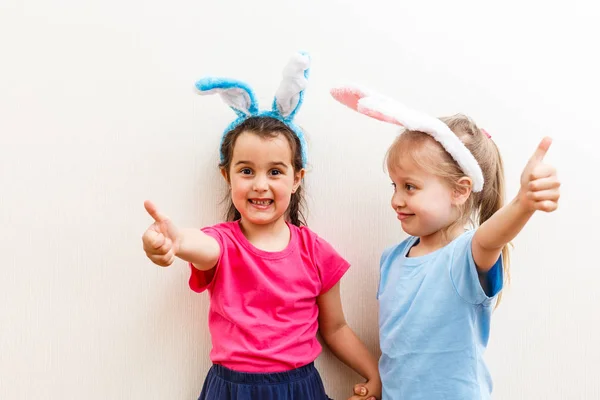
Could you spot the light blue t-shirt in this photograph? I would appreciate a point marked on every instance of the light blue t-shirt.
(434, 323)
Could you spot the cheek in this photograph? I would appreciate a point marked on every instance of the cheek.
(427, 205)
(283, 187)
(239, 187)
(441, 205)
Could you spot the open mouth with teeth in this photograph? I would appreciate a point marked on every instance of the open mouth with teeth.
(261, 202)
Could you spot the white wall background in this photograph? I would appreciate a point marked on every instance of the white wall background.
(97, 113)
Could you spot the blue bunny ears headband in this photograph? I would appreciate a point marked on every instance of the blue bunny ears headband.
(240, 97)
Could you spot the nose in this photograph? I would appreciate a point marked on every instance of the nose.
(260, 184)
(398, 201)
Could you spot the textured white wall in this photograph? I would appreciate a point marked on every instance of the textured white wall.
(97, 113)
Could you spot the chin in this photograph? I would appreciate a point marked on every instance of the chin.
(259, 220)
(412, 232)
(416, 231)
(408, 229)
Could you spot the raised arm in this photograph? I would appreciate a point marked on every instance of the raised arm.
(539, 191)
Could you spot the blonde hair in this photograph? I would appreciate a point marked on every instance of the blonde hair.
(427, 153)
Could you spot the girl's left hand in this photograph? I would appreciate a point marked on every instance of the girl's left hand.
(539, 183)
(370, 390)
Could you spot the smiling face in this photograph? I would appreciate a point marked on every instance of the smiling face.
(262, 178)
(422, 201)
(429, 190)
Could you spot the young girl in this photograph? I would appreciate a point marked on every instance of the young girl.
(438, 288)
(272, 281)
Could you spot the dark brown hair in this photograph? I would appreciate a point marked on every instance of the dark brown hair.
(266, 127)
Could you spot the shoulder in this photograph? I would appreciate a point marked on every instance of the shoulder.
(463, 240)
(224, 231)
(318, 248)
(329, 264)
(461, 246)
(223, 226)
(304, 232)
(308, 238)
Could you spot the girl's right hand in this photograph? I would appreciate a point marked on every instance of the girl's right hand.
(539, 183)
(162, 239)
(370, 388)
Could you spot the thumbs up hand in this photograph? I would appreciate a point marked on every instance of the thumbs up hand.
(539, 183)
(162, 239)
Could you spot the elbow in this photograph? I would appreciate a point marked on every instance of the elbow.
(330, 331)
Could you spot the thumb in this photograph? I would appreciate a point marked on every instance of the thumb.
(154, 213)
(541, 150)
(360, 390)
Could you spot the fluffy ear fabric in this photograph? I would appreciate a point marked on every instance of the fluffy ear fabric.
(388, 110)
(391, 111)
(352, 96)
(241, 98)
(349, 95)
(236, 94)
(290, 94)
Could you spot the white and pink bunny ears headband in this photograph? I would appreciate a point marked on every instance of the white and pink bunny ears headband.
(389, 110)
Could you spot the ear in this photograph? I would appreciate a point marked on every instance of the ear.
(290, 94)
(236, 94)
(225, 175)
(463, 190)
(298, 176)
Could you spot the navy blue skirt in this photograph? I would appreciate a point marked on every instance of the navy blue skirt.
(302, 383)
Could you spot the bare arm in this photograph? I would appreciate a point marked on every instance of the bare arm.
(197, 247)
(539, 191)
(343, 342)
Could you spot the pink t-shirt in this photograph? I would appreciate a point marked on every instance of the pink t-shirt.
(263, 311)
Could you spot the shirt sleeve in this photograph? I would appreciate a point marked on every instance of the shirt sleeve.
(466, 278)
(201, 280)
(330, 264)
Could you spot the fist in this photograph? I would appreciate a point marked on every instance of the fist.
(539, 183)
(371, 390)
(161, 239)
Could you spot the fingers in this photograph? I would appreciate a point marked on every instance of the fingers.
(547, 183)
(164, 260)
(542, 149)
(546, 205)
(541, 171)
(357, 397)
(158, 248)
(163, 256)
(153, 211)
(543, 195)
(360, 390)
(153, 240)
(155, 243)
